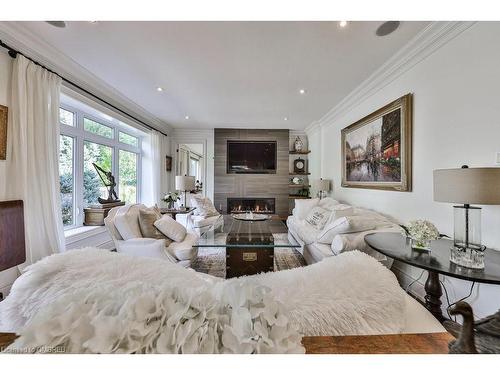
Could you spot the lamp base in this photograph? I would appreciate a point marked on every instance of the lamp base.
(468, 257)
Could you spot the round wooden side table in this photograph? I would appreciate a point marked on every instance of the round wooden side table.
(436, 261)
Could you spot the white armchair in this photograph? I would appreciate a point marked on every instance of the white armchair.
(177, 252)
(198, 224)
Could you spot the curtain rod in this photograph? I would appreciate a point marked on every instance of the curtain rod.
(13, 53)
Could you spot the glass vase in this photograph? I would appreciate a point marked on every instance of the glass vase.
(420, 244)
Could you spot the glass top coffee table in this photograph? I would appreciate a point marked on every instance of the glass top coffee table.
(249, 244)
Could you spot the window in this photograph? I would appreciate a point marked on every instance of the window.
(97, 128)
(67, 179)
(66, 117)
(128, 176)
(93, 187)
(86, 139)
(128, 139)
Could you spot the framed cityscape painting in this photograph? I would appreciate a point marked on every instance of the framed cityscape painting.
(376, 150)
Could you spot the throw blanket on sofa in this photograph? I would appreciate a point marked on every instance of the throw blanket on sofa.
(345, 295)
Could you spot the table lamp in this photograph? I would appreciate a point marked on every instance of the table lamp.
(467, 186)
(185, 184)
(323, 187)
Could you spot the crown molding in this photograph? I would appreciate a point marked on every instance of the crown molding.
(429, 40)
(17, 36)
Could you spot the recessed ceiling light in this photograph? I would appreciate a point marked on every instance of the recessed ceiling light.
(343, 23)
(93, 21)
(286, 118)
(302, 91)
(186, 117)
(159, 89)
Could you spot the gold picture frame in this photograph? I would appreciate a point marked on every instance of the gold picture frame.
(3, 131)
(377, 150)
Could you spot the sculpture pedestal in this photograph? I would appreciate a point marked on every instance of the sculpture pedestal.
(95, 214)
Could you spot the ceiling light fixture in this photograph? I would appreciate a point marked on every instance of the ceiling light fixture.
(343, 23)
(186, 117)
(60, 24)
(302, 91)
(159, 89)
(387, 28)
(286, 119)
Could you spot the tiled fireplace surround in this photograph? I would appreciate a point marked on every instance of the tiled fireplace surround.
(251, 186)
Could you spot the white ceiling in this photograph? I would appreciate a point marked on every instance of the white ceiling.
(229, 74)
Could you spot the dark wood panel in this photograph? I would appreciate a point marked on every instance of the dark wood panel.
(12, 241)
(252, 186)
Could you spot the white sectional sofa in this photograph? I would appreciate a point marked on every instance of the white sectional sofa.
(348, 227)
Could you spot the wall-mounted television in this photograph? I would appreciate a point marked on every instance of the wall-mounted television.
(251, 157)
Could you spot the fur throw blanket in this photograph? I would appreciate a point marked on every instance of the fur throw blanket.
(349, 294)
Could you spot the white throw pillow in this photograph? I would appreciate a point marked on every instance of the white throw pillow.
(171, 228)
(342, 225)
(341, 210)
(318, 217)
(303, 206)
(127, 222)
(203, 206)
(328, 203)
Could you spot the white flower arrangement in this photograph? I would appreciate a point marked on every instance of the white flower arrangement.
(421, 231)
(171, 197)
(161, 319)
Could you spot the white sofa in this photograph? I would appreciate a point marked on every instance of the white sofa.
(182, 253)
(314, 251)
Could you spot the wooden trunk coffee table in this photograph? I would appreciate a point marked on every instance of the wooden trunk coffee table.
(249, 244)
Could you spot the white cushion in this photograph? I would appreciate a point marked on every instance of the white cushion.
(127, 222)
(328, 203)
(184, 250)
(348, 224)
(306, 232)
(341, 210)
(318, 217)
(171, 228)
(303, 206)
(203, 206)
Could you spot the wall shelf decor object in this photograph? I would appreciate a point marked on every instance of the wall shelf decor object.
(376, 150)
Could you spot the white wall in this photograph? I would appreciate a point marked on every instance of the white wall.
(7, 277)
(202, 136)
(456, 121)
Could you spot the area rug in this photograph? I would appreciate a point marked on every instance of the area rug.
(213, 260)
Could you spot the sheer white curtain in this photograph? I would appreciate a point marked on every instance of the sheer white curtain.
(33, 156)
(157, 163)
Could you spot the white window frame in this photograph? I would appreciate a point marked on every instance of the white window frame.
(80, 135)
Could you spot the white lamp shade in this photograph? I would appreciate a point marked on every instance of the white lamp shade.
(324, 185)
(184, 183)
(467, 185)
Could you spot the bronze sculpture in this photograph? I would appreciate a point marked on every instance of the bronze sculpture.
(482, 336)
(110, 185)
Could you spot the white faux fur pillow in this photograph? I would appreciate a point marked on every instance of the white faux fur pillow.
(303, 206)
(171, 228)
(348, 224)
(318, 217)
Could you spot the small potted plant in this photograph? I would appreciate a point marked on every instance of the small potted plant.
(170, 198)
(421, 233)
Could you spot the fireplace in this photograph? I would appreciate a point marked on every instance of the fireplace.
(261, 205)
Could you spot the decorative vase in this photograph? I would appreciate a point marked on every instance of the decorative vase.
(421, 244)
(170, 205)
(298, 145)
